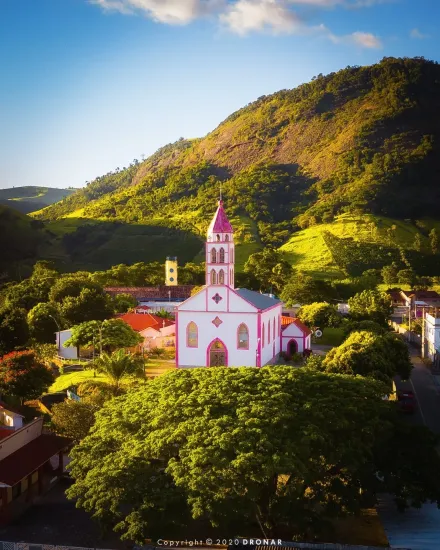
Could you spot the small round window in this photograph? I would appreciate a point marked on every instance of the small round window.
(171, 270)
(171, 279)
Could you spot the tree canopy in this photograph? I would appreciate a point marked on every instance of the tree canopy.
(303, 289)
(319, 314)
(370, 305)
(276, 448)
(110, 334)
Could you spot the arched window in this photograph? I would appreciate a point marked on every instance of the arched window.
(262, 338)
(230, 276)
(274, 328)
(231, 256)
(217, 237)
(268, 332)
(192, 335)
(221, 277)
(243, 337)
(279, 325)
(213, 277)
(226, 237)
(213, 256)
(221, 256)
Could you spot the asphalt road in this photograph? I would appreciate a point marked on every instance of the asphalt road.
(426, 388)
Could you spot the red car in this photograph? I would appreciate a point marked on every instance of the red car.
(407, 401)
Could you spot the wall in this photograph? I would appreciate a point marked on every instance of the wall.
(67, 353)
(20, 438)
(10, 419)
(432, 335)
(292, 332)
(267, 354)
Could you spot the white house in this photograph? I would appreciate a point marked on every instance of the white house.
(66, 353)
(10, 417)
(222, 325)
(295, 336)
(432, 335)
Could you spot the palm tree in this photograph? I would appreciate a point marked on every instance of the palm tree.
(119, 365)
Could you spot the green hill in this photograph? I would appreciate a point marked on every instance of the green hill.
(364, 141)
(29, 199)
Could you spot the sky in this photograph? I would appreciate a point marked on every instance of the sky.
(89, 85)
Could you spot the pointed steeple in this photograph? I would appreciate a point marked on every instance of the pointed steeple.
(220, 222)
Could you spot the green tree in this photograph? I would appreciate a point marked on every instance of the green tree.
(379, 356)
(110, 335)
(407, 277)
(23, 376)
(370, 305)
(269, 268)
(42, 320)
(268, 447)
(434, 240)
(119, 365)
(124, 302)
(303, 289)
(370, 326)
(389, 274)
(14, 330)
(74, 419)
(417, 245)
(319, 314)
(90, 305)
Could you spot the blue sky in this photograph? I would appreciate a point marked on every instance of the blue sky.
(89, 85)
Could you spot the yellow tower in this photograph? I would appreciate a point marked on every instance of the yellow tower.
(171, 271)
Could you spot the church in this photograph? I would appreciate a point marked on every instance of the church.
(222, 325)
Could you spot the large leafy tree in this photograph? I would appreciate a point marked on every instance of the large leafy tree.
(42, 320)
(269, 268)
(109, 335)
(23, 376)
(303, 289)
(275, 448)
(119, 365)
(14, 330)
(379, 356)
(124, 302)
(370, 305)
(90, 304)
(74, 419)
(319, 314)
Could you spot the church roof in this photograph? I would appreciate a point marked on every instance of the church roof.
(220, 222)
(260, 301)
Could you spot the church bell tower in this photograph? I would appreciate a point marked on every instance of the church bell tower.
(220, 250)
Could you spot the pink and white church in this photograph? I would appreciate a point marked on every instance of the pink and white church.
(222, 325)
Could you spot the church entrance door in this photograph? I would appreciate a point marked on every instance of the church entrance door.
(217, 354)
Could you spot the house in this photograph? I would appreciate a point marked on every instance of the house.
(71, 352)
(30, 463)
(222, 325)
(156, 331)
(432, 337)
(417, 300)
(10, 417)
(295, 336)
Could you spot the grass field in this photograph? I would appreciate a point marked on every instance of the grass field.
(330, 337)
(29, 199)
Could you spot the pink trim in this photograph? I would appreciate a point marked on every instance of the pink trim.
(238, 337)
(177, 339)
(268, 332)
(262, 337)
(259, 340)
(208, 349)
(210, 311)
(296, 344)
(187, 335)
(272, 307)
(220, 222)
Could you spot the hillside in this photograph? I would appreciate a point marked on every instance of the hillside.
(364, 141)
(29, 199)
(20, 241)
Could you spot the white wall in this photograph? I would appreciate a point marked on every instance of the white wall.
(11, 419)
(67, 353)
(267, 354)
(292, 332)
(207, 332)
(19, 438)
(432, 334)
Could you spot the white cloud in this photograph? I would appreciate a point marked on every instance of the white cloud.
(415, 33)
(261, 15)
(172, 12)
(243, 17)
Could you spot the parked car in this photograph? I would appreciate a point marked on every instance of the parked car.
(407, 401)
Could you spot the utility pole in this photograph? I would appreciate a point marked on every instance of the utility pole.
(409, 323)
(423, 332)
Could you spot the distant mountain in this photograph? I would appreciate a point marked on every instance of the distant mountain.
(364, 141)
(30, 199)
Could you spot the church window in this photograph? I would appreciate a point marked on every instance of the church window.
(226, 238)
(192, 335)
(213, 256)
(268, 332)
(213, 277)
(274, 328)
(262, 338)
(218, 237)
(221, 277)
(243, 337)
(221, 256)
(232, 255)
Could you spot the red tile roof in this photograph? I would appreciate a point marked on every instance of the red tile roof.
(286, 321)
(28, 458)
(142, 321)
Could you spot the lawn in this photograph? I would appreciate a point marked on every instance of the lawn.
(330, 337)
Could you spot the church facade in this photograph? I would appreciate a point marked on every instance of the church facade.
(222, 325)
